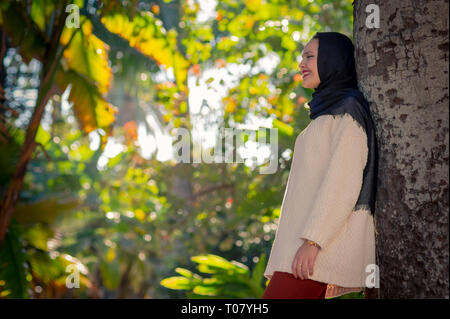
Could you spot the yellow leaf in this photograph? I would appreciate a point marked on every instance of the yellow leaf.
(249, 23)
(90, 109)
(104, 112)
(181, 66)
(230, 107)
(140, 214)
(253, 5)
(283, 127)
(110, 255)
(177, 122)
(299, 15)
(144, 33)
(167, 117)
(88, 56)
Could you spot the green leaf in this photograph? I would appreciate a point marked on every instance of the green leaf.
(10, 154)
(288, 43)
(42, 136)
(206, 269)
(46, 268)
(110, 272)
(38, 235)
(258, 271)
(283, 127)
(187, 273)
(44, 210)
(90, 108)
(12, 264)
(87, 55)
(38, 13)
(206, 290)
(26, 36)
(177, 282)
(213, 262)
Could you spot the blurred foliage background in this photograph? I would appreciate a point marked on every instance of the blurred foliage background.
(89, 103)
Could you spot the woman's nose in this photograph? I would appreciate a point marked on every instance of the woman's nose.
(301, 64)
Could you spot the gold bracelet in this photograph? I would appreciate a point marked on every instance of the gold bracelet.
(311, 243)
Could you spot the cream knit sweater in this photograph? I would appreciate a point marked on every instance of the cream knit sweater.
(322, 189)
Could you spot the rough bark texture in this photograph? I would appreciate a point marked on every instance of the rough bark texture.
(403, 72)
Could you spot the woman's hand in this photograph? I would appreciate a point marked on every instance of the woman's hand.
(304, 261)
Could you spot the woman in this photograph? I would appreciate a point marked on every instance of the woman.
(326, 235)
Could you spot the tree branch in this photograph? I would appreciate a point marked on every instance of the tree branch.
(44, 151)
(212, 189)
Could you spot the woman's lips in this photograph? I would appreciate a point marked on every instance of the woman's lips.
(306, 74)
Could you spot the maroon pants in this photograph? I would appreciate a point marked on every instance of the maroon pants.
(284, 285)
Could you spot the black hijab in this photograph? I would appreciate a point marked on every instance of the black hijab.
(338, 94)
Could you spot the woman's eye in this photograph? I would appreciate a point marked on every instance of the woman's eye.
(310, 56)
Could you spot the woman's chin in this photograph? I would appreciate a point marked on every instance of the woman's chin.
(308, 85)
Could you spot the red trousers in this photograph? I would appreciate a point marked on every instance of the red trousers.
(284, 285)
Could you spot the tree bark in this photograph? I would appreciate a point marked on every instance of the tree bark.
(402, 68)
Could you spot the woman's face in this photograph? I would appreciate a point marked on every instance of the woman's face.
(308, 65)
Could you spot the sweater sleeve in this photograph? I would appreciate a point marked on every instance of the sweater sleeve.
(341, 184)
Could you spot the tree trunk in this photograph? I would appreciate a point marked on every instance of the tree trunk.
(12, 194)
(47, 88)
(402, 69)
